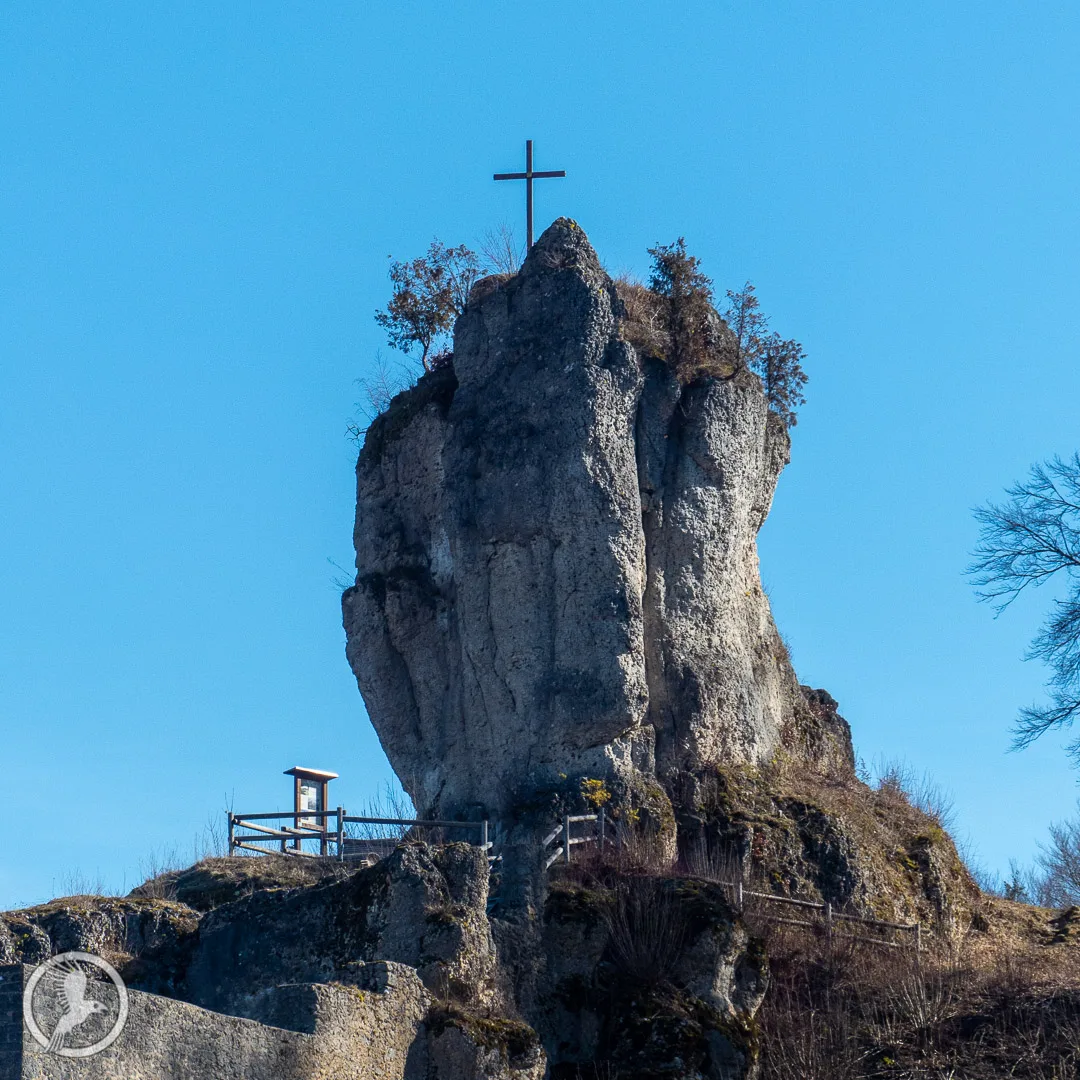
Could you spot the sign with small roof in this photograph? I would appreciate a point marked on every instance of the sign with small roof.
(310, 795)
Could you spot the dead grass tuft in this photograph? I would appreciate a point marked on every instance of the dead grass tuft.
(215, 881)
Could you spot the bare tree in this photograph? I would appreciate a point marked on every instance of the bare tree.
(1030, 539)
(1056, 881)
(379, 389)
(501, 251)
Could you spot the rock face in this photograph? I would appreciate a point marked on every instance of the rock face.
(556, 554)
(424, 907)
(398, 971)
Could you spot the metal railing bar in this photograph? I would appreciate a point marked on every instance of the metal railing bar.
(821, 907)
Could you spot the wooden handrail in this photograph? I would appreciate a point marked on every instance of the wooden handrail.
(287, 813)
(327, 833)
(415, 821)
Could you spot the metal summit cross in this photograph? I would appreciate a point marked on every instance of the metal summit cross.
(528, 176)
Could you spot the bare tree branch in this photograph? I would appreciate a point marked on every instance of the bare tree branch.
(501, 250)
(1033, 537)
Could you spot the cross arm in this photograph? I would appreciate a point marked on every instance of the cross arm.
(527, 176)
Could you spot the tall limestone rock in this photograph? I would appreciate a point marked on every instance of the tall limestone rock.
(557, 570)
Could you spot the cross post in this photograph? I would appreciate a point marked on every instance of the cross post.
(529, 176)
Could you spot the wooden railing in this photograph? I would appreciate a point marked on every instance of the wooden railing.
(601, 835)
(563, 831)
(329, 833)
(829, 918)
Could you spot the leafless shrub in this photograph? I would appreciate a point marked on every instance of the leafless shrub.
(642, 325)
(926, 994)
(1025, 542)
(76, 883)
(158, 873)
(817, 1006)
(378, 389)
(1056, 882)
(900, 780)
(638, 850)
(502, 253)
(389, 802)
(647, 929)
(808, 1039)
(840, 1010)
(158, 869)
(724, 866)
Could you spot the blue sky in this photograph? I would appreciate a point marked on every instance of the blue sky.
(197, 203)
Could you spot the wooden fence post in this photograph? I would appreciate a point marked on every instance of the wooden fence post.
(738, 897)
(484, 835)
(232, 833)
(341, 833)
(828, 922)
(566, 837)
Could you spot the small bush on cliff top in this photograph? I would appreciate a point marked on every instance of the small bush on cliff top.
(776, 361)
(686, 313)
(673, 318)
(429, 293)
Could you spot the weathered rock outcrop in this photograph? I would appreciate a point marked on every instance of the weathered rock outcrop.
(422, 906)
(557, 571)
(397, 970)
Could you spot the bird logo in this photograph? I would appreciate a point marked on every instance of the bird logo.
(59, 994)
(68, 981)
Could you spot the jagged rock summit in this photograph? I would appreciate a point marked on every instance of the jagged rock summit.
(557, 570)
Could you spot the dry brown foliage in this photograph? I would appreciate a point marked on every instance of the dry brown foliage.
(645, 325)
(965, 1007)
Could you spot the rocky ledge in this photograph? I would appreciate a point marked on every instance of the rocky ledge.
(652, 976)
